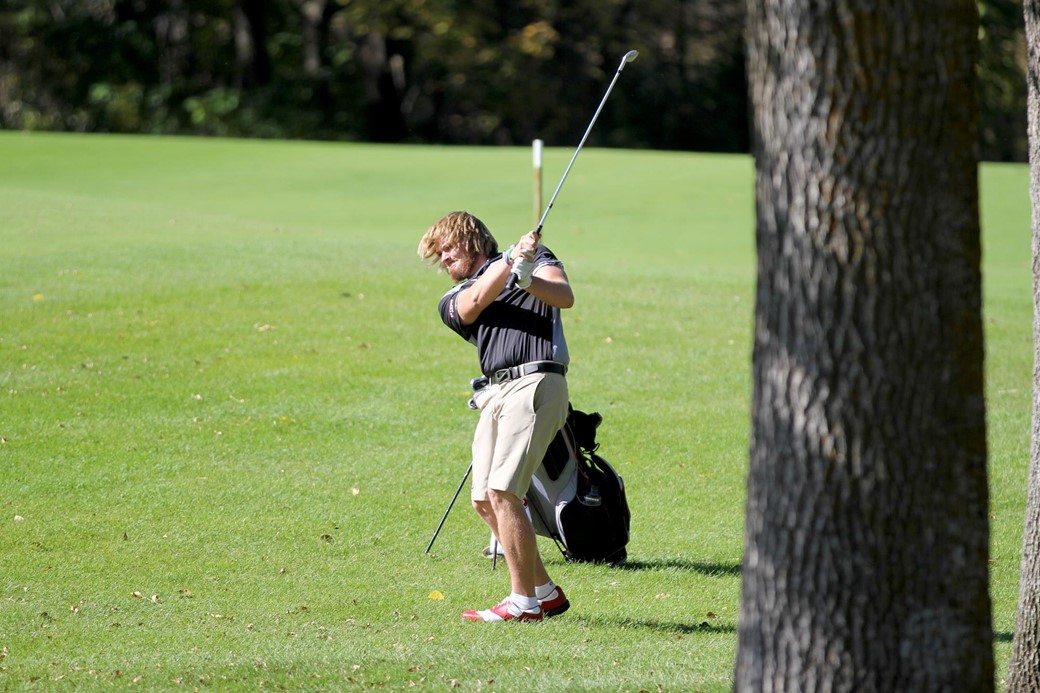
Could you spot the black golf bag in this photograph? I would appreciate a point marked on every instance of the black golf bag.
(577, 499)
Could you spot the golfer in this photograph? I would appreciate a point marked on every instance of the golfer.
(508, 305)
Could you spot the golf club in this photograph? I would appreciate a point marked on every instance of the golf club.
(629, 57)
(452, 503)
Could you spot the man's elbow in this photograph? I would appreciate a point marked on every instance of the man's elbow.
(567, 300)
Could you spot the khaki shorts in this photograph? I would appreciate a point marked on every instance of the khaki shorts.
(518, 420)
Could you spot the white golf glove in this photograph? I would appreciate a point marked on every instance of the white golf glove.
(522, 270)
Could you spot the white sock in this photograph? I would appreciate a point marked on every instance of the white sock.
(523, 602)
(543, 591)
(495, 545)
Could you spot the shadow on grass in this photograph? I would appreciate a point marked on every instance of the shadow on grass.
(702, 627)
(664, 626)
(717, 569)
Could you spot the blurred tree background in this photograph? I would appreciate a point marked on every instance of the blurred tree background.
(424, 71)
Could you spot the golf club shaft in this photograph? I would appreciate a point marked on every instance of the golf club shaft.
(628, 57)
(452, 503)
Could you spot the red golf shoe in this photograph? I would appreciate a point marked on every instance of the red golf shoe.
(555, 604)
(501, 612)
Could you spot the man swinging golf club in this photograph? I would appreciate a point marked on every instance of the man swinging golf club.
(508, 304)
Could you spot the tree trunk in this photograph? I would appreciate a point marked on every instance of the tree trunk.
(383, 121)
(171, 38)
(867, 536)
(311, 14)
(250, 26)
(1024, 671)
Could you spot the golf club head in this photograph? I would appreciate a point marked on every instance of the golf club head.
(629, 57)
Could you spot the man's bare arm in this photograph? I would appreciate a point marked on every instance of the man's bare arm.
(472, 300)
(550, 284)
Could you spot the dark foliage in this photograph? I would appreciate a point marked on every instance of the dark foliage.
(444, 71)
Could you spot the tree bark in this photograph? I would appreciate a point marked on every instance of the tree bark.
(867, 536)
(1024, 670)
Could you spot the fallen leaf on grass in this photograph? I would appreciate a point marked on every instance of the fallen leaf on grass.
(436, 594)
(37, 297)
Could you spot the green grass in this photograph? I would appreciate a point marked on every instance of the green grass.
(232, 419)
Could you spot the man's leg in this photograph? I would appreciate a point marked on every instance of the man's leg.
(517, 537)
(516, 453)
(506, 516)
(528, 421)
(483, 509)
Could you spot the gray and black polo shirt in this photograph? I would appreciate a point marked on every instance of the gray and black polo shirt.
(516, 328)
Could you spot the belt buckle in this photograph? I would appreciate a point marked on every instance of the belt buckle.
(500, 376)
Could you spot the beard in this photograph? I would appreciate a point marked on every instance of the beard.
(461, 268)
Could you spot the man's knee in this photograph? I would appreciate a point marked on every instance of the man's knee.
(502, 500)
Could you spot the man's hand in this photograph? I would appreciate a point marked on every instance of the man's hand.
(525, 247)
(522, 270)
(522, 253)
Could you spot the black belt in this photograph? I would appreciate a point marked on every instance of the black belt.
(505, 374)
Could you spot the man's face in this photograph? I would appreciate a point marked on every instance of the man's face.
(458, 263)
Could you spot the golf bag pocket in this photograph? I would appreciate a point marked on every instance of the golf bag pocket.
(595, 523)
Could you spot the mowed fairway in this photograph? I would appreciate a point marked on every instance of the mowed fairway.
(231, 418)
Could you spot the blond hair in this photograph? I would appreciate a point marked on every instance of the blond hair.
(460, 229)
